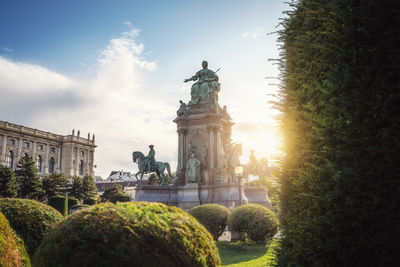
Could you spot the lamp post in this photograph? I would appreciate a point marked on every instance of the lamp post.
(239, 173)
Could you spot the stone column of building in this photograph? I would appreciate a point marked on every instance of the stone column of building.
(78, 161)
(87, 161)
(3, 150)
(92, 163)
(211, 147)
(19, 155)
(218, 147)
(71, 164)
(59, 160)
(46, 159)
(34, 150)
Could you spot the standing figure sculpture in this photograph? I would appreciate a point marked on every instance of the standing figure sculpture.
(206, 85)
(193, 170)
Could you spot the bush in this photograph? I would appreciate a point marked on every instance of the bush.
(77, 207)
(256, 221)
(12, 249)
(128, 234)
(72, 201)
(115, 194)
(60, 203)
(30, 219)
(90, 201)
(213, 216)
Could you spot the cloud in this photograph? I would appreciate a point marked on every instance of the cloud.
(6, 49)
(253, 34)
(116, 103)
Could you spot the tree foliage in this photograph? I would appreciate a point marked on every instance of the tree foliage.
(30, 185)
(89, 186)
(115, 194)
(55, 184)
(76, 187)
(8, 183)
(340, 105)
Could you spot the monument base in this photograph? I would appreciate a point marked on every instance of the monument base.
(186, 197)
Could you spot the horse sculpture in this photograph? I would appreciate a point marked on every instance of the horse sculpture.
(157, 167)
(233, 160)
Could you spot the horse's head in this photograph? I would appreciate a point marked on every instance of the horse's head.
(137, 155)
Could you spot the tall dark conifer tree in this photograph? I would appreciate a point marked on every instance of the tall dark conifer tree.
(340, 102)
(30, 185)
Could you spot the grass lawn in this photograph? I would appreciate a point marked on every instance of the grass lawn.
(251, 255)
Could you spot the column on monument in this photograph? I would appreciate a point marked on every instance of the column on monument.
(3, 150)
(180, 150)
(211, 147)
(218, 148)
(34, 150)
(46, 160)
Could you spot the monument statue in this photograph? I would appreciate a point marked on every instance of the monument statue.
(155, 166)
(151, 157)
(206, 87)
(193, 170)
(182, 111)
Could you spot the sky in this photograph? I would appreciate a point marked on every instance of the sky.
(116, 69)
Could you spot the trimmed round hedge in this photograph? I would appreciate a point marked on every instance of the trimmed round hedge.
(60, 203)
(30, 219)
(128, 234)
(213, 216)
(72, 201)
(12, 249)
(90, 201)
(257, 222)
(77, 207)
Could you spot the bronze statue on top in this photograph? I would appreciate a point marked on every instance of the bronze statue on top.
(207, 85)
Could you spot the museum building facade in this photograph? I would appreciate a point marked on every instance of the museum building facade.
(68, 154)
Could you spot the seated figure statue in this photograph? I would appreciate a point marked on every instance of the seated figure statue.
(206, 85)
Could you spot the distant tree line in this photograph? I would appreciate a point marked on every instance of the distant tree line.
(25, 182)
(340, 104)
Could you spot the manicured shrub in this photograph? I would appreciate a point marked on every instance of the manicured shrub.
(213, 216)
(90, 201)
(77, 207)
(60, 203)
(30, 219)
(72, 201)
(12, 249)
(256, 221)
(128, 234)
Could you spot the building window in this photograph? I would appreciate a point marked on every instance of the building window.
(27, 144)
(81, 168)
(40, 147)
(39, 163)
(51, 165)
(12, 142)
(10, 159)
(53, 149)
(82, 153)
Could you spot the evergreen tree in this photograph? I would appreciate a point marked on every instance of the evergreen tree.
(89, 186)
(115, 194)
(76, 187)
(8, 183)
(341, 125)
(30, 185)
(55, 184)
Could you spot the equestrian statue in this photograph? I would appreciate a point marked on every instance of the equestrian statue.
(147, 164)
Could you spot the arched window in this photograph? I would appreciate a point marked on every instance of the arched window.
(81, 168)
(51, 165)
(10, 159)
(39, 163)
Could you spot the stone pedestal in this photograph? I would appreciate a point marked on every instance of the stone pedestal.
(188, 196)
